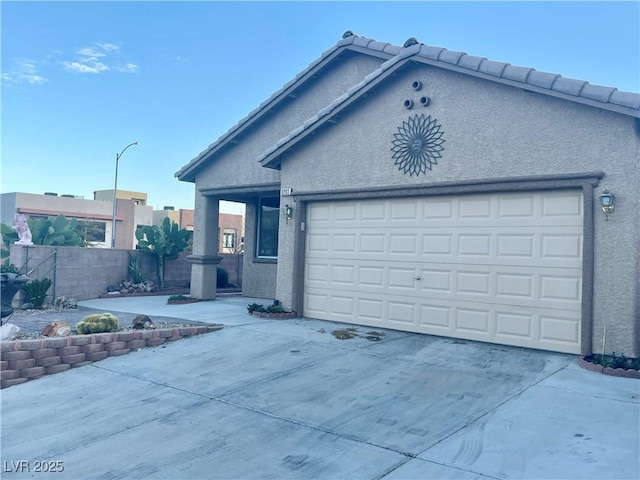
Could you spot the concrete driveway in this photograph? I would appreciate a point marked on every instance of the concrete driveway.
(280, 399)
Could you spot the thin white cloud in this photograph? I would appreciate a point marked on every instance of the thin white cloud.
(91, 59)
(97, 59)
(25, 71)
(86, 67)
(109, 47)
(90, 52)
(127, 67)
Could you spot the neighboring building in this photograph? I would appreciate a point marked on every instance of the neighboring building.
(139, 198)
(129, 205)
(160, 215)
(230, 233)
(183, 217)
(94, 217)
(431, 191)
(230, 227)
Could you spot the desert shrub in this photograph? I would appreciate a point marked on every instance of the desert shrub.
(98, 323)
(8, 267)
(135, 273)
(178, 297)
(275, 307)
(223, 278)
(36, 291)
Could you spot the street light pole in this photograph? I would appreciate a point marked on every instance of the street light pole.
(115, 192)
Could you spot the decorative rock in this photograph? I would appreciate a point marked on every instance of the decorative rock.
(57, 329)
(142, 321)
(8, 331)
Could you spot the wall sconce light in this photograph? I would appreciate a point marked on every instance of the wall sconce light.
(288, 212)
(606, 202)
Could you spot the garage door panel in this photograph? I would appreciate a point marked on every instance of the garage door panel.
(565, 246)
(560, 330)
(437, 318)
(474, 207)
(562, 204)
(516, 206)
(403, 278)
(404, 210)
(560, 288)
(503, 268)
(515, 325)
(370, 309)
(474, 320)
(401, 313)
(502, 247)
(470, 244)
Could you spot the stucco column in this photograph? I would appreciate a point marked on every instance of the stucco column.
(205, 259)
(290, 275)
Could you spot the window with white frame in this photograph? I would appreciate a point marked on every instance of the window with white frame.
(268, 222)
(229, 238)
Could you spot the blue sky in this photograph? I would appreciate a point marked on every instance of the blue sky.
(81, 80)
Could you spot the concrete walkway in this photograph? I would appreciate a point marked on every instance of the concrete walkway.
(286, 399)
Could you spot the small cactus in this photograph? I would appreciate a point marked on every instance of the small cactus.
(98, 323)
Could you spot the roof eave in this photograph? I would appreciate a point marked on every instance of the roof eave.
(187, 173)
(273, 159)
(527, 86)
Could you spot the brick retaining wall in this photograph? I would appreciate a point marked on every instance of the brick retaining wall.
(23, 360)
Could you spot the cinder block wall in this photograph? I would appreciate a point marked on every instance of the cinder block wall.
(232, 263)
(76, 272)
(85, 273)
(177, 273)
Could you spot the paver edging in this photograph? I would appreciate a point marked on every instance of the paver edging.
(23, 360)
(282, 316)
(616, 372)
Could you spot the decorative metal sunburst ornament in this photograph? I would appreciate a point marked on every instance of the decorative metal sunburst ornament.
(417, 145)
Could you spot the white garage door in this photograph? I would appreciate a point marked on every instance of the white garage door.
(502, 268)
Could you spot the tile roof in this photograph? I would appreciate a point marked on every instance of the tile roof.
(349, 41)
(528, 78)
(554, 84)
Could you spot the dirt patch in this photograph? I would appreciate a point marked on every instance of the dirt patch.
(351, 332)
(345, 333)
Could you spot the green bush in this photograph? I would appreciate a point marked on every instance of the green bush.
(223, 278)
(178, 297)
(9, 268)
(36, 291)
(275, 307)
(98, 323)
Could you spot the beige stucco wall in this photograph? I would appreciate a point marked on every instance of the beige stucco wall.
(258, 277)
(491, 131)
(238, 165)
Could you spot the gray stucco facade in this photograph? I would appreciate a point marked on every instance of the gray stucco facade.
(329, 137)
